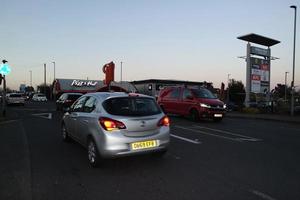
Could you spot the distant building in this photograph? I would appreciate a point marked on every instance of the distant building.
(153, 86)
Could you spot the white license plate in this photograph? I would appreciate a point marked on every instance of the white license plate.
(218, 115)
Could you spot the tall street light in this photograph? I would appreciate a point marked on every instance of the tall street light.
(30, 71)
(285, 86)
(54, 69)
(293, 76)
(228, 75)
(121, 71)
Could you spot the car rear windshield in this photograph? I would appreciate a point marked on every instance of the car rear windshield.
(204, 93)
(131, 106)
(15, 95)
(74, 97)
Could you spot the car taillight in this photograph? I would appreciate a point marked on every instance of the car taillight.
(165, 121)
(111, 124)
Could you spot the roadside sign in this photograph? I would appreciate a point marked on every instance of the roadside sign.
(5, 69)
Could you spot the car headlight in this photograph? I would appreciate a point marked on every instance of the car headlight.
(224, 106)
(203, 105)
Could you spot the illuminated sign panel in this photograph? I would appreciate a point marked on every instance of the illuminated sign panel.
(78, 83)
(260, 75)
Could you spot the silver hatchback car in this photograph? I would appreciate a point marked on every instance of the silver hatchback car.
(117, 124)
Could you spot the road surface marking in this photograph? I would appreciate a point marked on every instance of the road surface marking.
(44, 115)
(211, 134)
(262, 195)
(9, 121)
(243, 137)
(186, 139)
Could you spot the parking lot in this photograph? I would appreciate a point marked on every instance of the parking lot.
(233, 159)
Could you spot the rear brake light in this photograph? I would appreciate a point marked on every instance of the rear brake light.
(165, 121)
(111, 124)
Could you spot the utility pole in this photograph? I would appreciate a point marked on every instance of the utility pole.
(4, 93)
(293, 79)
(51, 87)
(228, 75)
(45, 78)
(4, 97)
(30, 78)
(121, 70)
(54, 70)
(285, 88)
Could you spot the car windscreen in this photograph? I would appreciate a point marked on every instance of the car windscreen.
(204, 93)
(73, 97)
(131, 106)
(15, 95)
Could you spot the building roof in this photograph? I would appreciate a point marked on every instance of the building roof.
(258, 39)
(168, 81)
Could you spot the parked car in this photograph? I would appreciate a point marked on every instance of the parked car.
(66, 100)
(192, 102)
(15, 98)
(116, 124)
(39, 97)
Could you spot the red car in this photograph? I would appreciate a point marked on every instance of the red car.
(195, 103)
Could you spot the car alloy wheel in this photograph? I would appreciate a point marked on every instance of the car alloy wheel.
(93, 155)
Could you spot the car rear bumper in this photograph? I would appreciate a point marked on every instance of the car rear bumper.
(114, 145)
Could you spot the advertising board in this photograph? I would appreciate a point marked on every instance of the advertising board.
(260, 75)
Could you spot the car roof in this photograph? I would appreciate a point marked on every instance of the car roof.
(106, 95)
(73, 93)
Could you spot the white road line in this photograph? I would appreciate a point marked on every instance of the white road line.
(44, 115)
(262, 195)
(186, 139)
(9, 121)
(205, 133)
(243, 137)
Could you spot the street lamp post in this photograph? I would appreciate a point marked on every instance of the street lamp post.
(228, 75)
(54, 69)
(30, 78)
(293, 75)
(51, 92)
(285, 88)
(3, 111)
(121, 71)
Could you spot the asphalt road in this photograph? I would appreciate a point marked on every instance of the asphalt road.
(234, 159)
